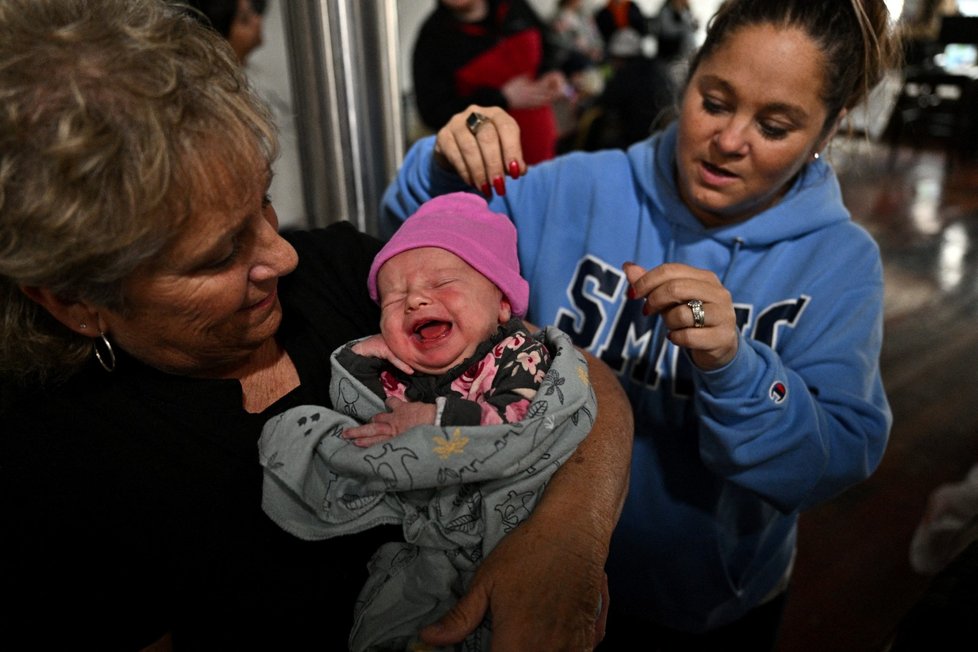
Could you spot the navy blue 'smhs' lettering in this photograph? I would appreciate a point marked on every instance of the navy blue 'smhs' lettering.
(603, 322)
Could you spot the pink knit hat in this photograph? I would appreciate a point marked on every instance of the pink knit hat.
(462, 224)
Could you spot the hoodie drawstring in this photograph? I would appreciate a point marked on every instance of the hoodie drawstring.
(659, 331)
(738, 243)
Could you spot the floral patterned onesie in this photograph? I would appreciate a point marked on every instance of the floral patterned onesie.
(495, 385)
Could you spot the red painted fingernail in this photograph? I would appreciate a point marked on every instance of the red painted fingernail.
(646, 310)
(631, 292)
(499, 183)
(514, 169)
(486, 190)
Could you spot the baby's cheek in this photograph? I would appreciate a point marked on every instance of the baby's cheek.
(388, 322)
(399, 345)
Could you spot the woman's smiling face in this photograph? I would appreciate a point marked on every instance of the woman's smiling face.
(211, 299)
(752, 116)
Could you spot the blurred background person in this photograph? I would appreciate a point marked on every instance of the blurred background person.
(675, 33)
(944, 548)
(581, 55)
(619, 14)
(492, 53)
(239, 21)
(636, 93)
(577, 32)
(675, 30)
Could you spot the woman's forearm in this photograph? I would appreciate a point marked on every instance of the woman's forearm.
(544, 582)
(589, 490)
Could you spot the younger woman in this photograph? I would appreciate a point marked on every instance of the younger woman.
(746, 327)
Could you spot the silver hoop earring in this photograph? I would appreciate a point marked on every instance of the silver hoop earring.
(108, 360)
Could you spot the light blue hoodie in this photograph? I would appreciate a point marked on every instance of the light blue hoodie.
(723, 460)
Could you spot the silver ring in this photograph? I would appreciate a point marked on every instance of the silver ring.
(474, 121)
(699, 315)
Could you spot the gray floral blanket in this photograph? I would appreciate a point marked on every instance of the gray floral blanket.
(456, 491)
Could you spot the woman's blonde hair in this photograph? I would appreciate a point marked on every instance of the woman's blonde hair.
(118, 118)
(856, 38)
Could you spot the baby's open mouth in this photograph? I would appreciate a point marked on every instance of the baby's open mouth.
(434, 329)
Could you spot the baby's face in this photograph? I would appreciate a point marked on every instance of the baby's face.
(436, 309)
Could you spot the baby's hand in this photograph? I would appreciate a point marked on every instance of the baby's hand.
(401, 416)
(376, 347)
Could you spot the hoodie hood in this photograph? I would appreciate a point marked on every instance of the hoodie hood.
(816, 199)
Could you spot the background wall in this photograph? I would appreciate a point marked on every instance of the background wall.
(268, 69)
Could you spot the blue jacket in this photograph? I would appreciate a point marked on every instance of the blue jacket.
(723, 460)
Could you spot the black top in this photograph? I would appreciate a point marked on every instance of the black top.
(131, 500)
(604, 18)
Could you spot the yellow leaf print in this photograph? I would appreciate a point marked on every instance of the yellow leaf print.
(454, 445)
(582, 374)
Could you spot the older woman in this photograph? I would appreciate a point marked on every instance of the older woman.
(152, 318)
(747, 329)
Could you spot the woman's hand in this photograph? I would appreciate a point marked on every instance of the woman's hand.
(508, 584)
(544, 583)
(556, 85)
(522, 92)
(667, 289)
(485, 158)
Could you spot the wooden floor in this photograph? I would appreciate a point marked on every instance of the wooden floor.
(853, 582)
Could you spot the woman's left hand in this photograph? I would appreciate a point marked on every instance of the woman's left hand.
(482, 159)
(668, 289)
(544, 583)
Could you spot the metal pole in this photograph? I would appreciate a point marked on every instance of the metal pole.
(345, 81)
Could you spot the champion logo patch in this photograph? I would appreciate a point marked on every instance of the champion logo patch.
(778, 391)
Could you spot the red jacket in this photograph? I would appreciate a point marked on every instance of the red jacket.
(456, 64)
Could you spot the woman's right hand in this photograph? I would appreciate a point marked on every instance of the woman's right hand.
(522, 92)
(668, 288)
(485, 158)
